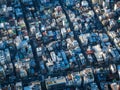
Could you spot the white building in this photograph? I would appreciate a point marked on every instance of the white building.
(19, 86)
(36, 85)
(98, 53)
(55, 83)
(88, 75)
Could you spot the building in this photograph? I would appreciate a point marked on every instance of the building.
(3, 1)
(118, 69)
(73, 79)
(55, 83)
(19, 86)
(88, 76)
(97, 1)
(104, 86)
(2, 72)
(69, 2)
(35, 85)
(114, 86)
(115, 54)
(84, 39)
(94, 86)
(98, 53)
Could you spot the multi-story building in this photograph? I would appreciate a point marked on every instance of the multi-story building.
(55, 83)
